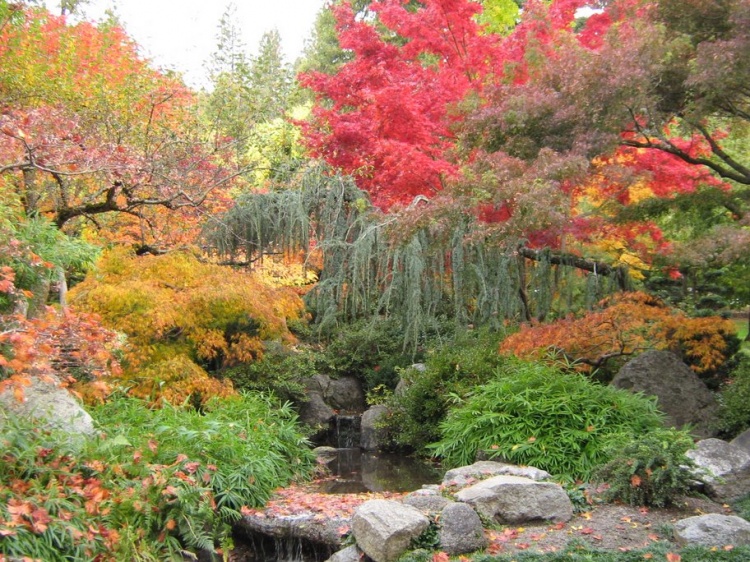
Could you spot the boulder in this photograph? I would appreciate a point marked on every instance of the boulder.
(315, 413)
(384, 529)
(480, 470)
(725, 468)
(294, 528)
(682, 396)
(325, 451)
(428, 502)
(461, 530)
(344, 394)
(349, 554)
(45, 400)
(742, 440)
(515, 499)
(372, 436)
(712, 530)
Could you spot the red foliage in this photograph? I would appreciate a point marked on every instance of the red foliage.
(389, 118)
(73, 347)
(299, 500)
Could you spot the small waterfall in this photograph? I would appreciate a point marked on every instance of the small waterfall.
(257, 547)
(346, 431)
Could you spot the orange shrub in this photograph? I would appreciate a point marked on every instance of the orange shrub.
(175, 308)
(625, 325)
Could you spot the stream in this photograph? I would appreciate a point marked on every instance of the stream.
(353, 471)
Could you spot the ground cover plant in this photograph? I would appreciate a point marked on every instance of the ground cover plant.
(154, 484)
(658, 552)
(537, 415)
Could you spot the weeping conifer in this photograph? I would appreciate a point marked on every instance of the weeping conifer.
(423, 279)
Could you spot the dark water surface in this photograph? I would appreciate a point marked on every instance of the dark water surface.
(356, 471)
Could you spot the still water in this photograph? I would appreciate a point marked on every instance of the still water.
(355, 471)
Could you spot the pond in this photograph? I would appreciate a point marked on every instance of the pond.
(355, 471)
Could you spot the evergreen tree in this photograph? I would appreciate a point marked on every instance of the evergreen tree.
(270, 79)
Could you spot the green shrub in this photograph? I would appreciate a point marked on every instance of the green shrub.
(455, 368)
(281, 371)
(156, 482)
(734, 414)
(370, 350)
(648, 469)
(534, 414)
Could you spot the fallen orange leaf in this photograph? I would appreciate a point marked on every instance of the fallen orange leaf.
(440, 557)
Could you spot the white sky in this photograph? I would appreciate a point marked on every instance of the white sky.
(181, 34)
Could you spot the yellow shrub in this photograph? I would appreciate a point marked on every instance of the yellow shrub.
(174, 306)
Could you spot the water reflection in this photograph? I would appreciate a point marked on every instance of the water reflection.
(356, 471)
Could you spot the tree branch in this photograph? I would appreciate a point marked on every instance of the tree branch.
(620, 273)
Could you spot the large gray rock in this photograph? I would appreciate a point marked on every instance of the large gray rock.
(742, 440)
(307, 527)
(725, 468)
(45, 400)
(480, 470)
(461, 530)
(348, 554)
(514, 499)
(384, 529)
(344, 394)
(372, 436)
(429, 502)
(682, 396)
(712, 530)
(315, 413)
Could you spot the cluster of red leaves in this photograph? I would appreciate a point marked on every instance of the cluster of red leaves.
(304, 500)
(83, 502)
(389, 118)
(626, 325)
(55, 499)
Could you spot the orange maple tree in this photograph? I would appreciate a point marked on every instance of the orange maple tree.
(96, 140)
(625, 325)
(184, 318)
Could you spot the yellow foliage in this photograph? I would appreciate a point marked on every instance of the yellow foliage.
(177, 380)
(174, 306)
(291, 271)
